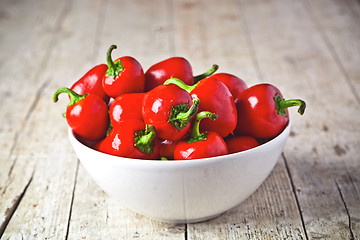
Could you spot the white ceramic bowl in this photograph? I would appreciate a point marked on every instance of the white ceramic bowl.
(181, 191)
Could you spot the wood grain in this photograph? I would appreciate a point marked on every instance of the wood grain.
(309, 49)
(43, 211)
(338, 22)
(254, 219)
(305, 61)
(20, 91)
(94, 215)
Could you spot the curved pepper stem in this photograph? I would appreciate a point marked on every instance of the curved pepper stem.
(144, 139)
(281, 105)
(195, 134)
(213, 69)
(74, 97)
(180, 84)
(181, 115)
(114, 68)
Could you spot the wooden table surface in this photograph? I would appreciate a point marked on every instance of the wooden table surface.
(309, 49)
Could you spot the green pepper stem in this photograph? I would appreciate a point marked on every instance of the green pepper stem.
(114, 68)
(145, 142)
(109, 129)
(282, 104)
(185, 116)
(74, 97)
(195, 134)
(180, 84)
(213, 69)
(109, 60)
(181, 114)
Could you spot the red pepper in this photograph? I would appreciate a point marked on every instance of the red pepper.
(175, 67)
(201, 145)
(214, 97)
(132, 139)
(124, 75)
(233, 83)
(91, 82)
(262, 111)
(169, 109)
(126, 106)
(241, 143)
(87, 115)
(167, 148)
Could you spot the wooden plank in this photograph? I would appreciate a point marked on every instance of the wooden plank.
(24, 48)
(206, 40)
(22, 61)
(271, 212)
(190, 33)
(139, 29)
(43, 211)
(323, 149)
(97, 216)
(45, 194)
(212, 33)
(42, 147)
(339, 21)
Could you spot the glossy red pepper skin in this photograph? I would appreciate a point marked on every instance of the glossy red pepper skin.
(167, 148)
(220, 102)
(200, 145)
(121, 141)
(259, 114)
(232, 82)
(214, 97)
(158, 105)
(125, 107)
(91, 82)
(87, 115)
(241, 143)
(174, 67)
(124, 75)
(213, 146)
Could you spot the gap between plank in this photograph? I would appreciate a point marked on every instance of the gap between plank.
(11, 210)
(29, 112)
(295, 195)
(357, 1)
(39, 91)
(251, 45)
(358, 6)
(332, 51)
(260, 78)
(23, 124)
(170, 26)
(99, 29)
(72, 201)
(184, 200)
(347, 211)
(98, 32)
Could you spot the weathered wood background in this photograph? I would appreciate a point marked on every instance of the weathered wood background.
(309, 49)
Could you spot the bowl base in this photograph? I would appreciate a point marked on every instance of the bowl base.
(185, 221)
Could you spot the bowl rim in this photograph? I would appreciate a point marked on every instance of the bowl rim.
(115, 159)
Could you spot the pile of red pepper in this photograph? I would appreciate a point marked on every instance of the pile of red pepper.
(167, 113)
